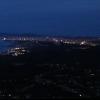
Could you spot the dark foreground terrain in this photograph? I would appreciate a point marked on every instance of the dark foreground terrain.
(51, 71)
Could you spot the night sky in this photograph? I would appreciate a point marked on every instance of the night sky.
(51, 17)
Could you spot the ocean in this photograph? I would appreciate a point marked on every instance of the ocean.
(5, 45)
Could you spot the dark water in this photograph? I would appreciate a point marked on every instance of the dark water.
(5, 45)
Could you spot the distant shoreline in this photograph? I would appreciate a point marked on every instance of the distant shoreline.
(45, 36)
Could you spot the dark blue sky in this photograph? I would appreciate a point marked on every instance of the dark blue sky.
(59, 17)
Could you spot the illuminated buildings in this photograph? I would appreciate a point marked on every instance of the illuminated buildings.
(17, 51)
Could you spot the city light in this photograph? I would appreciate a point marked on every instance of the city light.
(17, 51)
